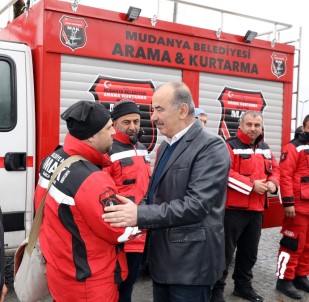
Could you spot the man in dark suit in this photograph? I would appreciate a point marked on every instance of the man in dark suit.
(185, 202)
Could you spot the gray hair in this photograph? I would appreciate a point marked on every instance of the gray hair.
(250, 112)
(182, 95)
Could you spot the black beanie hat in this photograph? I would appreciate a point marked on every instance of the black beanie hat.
(85, 118)
(124, 107)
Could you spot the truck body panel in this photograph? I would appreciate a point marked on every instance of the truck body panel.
(95, 54)
(17, 148)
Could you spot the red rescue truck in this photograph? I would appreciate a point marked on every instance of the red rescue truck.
(52, 56)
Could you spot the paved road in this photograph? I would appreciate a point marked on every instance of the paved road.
(264, 276)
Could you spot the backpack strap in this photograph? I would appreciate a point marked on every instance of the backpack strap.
(36, 225)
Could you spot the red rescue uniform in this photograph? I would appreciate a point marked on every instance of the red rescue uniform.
(85, 257)
(130, 169)
(293, 258)
(248, 164)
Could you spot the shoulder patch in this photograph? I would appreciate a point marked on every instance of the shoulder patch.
(283, 156)
(108, 198)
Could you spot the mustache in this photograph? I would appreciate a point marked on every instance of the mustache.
(132, 132)
(158, 123)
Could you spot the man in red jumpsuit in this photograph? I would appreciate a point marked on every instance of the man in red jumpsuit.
(130, 170)
(84, 255)
(293, 257)
(254, 172)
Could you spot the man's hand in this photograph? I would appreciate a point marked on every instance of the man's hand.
(289, 212)
(122, 215)
(260, 186)
(271, 187)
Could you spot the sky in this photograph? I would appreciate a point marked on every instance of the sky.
(287, 12)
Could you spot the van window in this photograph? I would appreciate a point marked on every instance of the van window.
(7, 95)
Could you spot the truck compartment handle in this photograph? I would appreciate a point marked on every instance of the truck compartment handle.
(15, 161)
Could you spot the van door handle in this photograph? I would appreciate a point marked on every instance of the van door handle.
(15, 161)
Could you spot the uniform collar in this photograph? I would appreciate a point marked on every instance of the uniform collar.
(123, 138)
(245, 138)
(74, 146)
